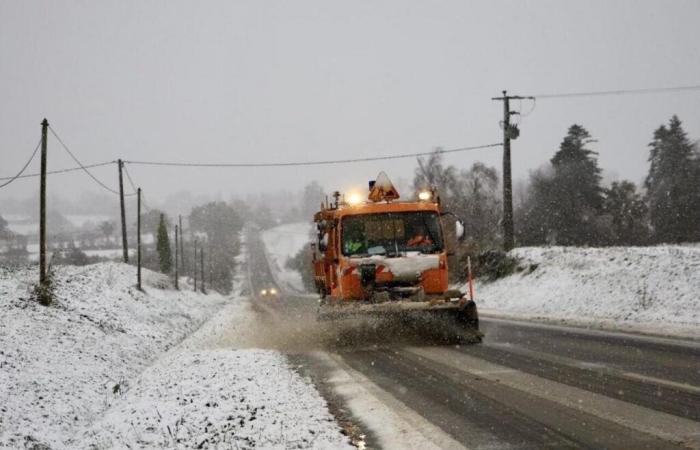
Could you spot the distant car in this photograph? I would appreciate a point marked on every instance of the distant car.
(269, 292)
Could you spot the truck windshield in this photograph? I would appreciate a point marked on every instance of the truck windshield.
(391, 233)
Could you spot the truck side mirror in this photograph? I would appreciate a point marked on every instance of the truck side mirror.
(459, 230)
(323, 242)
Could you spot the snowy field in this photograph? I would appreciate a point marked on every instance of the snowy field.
(282, 243)
(110, 367)
(61, 365)
(650, 289)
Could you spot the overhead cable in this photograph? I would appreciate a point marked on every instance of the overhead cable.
(83, 167)
(66, 170)
(620, 92)
(21, 171)
(308, 163)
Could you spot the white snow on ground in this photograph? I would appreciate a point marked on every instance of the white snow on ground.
(281, 243)
(59, 365)
(201, 395)
(110, 367)
(649, 289)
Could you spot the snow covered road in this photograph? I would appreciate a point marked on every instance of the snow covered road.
(528, 385)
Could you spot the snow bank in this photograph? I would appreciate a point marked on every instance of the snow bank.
(62, 366)
(219, 399)
(282, 243)
(214, 391)
(652, 289)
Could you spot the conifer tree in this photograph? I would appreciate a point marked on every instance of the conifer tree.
(163, 246)
(566, 200)
(627, 212)
(673, 185)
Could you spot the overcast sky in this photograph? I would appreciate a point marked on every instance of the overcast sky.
(264, 81)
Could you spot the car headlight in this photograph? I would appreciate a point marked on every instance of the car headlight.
(263, 292)
(273, 291)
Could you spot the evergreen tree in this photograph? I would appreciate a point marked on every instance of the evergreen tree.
(163, 246)
(627, 212)
(673, 185)
(566, 200)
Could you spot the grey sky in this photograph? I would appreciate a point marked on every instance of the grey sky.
(269, 81)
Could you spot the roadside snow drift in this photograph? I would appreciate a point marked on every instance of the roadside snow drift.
(61, 366)
(653, 289)
(107, 366)
(284, 242)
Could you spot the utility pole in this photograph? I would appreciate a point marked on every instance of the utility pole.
(138, 239)
(182, 248)
(194, 265)
(201, 268)
(125, 246)
(211, 271)
(176, 251)
(509, 132)
(42, 206)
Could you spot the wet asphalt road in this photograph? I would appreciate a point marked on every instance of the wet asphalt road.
(528, 385)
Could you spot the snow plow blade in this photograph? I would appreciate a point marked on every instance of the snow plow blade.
(458, 318)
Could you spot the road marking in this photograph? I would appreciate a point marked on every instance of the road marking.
(659, 424)
(393, 423)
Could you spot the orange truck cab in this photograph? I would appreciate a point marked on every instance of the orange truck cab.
(383, 255)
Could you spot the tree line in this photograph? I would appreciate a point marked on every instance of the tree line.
(216, 228)
(565, 202)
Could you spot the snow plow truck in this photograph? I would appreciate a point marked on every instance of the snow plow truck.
(382, 256)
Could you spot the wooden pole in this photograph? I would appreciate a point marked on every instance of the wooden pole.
(42, 205)
(182, 248)
(138, 239)
(176, 261)
(201, 268)
(125, 246)
(211, 272)
(194, 265)
(508, 234)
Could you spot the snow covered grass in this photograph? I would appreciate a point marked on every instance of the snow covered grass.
(650, 289)
(204, 396)
(282, 243)
(61, 366)
(107, 366)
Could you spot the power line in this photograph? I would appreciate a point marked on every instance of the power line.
(308, 163)
(620, 92)
(21, 171)
(59, 171)
(131, 181)
(65, 147)
(133, 186)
